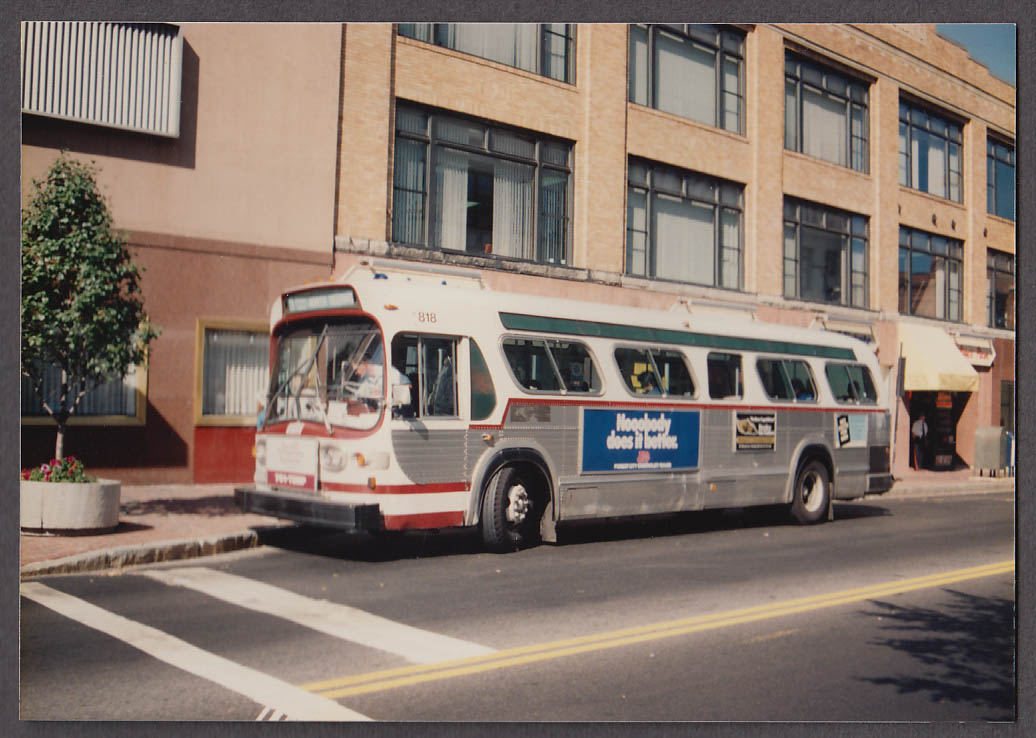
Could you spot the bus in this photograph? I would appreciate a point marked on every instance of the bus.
(414, 397)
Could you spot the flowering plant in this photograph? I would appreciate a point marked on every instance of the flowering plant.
(69, 469)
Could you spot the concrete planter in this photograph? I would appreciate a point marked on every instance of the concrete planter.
(69, 508)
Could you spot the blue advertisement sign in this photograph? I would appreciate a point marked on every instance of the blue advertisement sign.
(640, 440)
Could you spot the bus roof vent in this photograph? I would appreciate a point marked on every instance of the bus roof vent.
(425, 273)
(720, 308)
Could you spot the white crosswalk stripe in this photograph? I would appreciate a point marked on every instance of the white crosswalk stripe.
(275, 695)
(341, 621)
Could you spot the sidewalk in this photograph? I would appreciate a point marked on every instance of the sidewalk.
(173, 522)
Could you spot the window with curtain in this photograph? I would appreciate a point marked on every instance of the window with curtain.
(826, 114)
(683, 226)
(1000, 276)
(930, 153)
(235, 371)
(461, 185)
(930, 275)
(825, 254)
(540, 48)
(692, 70)
(115, 398)
(1000, 178)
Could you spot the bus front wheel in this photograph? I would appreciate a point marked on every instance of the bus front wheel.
(812, 493)
(510, 511)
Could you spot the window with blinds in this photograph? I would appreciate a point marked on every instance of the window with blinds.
(235, 372)
(122, 75)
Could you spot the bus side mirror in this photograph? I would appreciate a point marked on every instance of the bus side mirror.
(400, 395)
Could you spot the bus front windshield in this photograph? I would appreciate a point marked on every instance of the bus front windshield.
(329, 373)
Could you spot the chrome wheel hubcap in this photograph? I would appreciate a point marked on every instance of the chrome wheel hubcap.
(518, 504)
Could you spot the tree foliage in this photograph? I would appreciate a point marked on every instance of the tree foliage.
(82, 309)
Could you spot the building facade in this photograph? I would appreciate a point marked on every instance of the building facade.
(857, 178)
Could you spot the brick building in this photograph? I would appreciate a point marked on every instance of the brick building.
(858, 178)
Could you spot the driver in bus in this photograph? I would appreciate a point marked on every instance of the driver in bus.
(368, 379)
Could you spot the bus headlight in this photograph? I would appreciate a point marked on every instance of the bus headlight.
(332, 458)
(260, 451)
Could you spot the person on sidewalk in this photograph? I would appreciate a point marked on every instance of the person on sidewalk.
(918, 438)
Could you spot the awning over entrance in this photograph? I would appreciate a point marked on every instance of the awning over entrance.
(933, 362)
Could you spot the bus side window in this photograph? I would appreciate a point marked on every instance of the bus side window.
(578, 373)
(483, 394)
(724, 375)
(676, 378)
(404, 361)
(637, 371)
(801, 380)
(839, 381)
(531, 365)
(863, 386)
(775, 384)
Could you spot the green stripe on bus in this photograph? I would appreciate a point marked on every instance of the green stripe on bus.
(567, 326)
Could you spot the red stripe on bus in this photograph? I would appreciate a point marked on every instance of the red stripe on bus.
(419, 521)
(396, 489)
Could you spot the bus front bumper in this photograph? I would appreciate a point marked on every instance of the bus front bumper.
(307, 509)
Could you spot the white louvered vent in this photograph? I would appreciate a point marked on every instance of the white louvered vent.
(123, 75)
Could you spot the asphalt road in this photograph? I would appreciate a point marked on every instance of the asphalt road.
(897, 610)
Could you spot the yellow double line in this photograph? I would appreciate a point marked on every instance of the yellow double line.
(386, 679)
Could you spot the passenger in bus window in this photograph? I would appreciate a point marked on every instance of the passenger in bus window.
(647, 383)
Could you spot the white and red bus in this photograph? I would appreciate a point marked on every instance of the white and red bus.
(409, 397)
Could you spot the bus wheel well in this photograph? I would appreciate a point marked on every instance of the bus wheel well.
(515, 497)
(812, 486)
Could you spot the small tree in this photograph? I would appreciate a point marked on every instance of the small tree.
(82, 310)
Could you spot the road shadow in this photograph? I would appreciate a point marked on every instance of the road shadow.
(967, 649)
(383, 547)
(371, 548)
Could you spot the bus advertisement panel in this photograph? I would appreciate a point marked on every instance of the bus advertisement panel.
(638, 440)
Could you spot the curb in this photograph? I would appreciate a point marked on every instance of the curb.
(147, 553)
(986, 486)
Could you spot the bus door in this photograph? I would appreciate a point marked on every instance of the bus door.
(429, 433)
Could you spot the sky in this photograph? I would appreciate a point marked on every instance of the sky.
(993, 44)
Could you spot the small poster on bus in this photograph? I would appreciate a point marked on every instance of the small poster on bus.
(640, 440)
(755, 431)
(851, 430)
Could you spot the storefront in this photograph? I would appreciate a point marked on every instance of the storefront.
(937, 382)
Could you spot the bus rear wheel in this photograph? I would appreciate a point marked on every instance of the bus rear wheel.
(812, 494)
(511, 511)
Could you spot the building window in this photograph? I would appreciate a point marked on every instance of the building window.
(120, 401)
(691, 70)
(1000, 297)
(123, 75)
(234, 372)
(462, 185)
(683, 226)
(825, 114)
(930, 275)
(1000, 179)
(930, 153)
(825, 254)
(540, 48)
